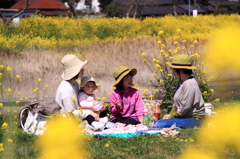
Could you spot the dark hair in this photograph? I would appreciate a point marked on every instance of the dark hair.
(75, 77)
(119, 86)
(185, 71)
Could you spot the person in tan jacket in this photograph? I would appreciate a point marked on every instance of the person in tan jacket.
(188, 105)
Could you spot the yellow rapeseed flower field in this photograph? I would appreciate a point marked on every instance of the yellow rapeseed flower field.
(54, 32)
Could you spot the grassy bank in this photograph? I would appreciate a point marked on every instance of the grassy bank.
(21, 145)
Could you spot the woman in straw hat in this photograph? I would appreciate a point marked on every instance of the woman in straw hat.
(188, 104)
(67, 92)
(125, 101)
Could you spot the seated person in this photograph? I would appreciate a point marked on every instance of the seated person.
(188, 105)
(67, 91)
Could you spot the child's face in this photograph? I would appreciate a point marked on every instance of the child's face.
(89, 87)
(127, 81)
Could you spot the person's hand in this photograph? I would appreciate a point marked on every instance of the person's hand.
(117, 104)
(103, 109)
(166, 116)
(96, 116)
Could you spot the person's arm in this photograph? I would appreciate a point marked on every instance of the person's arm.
(187, 100)
(85, 101)
(139, 106)
(115, 105)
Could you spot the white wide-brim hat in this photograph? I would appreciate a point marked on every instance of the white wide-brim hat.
(71, 66)
(86, 79)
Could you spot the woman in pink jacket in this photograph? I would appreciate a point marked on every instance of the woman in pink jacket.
(125, 101)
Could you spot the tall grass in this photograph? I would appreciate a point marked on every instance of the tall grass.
(103, 58)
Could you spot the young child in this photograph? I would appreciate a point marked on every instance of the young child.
(125, 101)
(87, 98)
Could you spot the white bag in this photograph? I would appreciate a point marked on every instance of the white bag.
(32, 122)
(209, 109)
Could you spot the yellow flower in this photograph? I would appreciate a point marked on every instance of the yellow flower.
(160, 32)
(162, 51)
(159, 42)
(98, 98)
(41, 98)
(8, 69)
(154, 59)
(113, 88)
(191, 45)
(20, 99)
(17, 101)
(39, 80)
(46, 86)
(36, 89)
(103, 98)
(144, 62)
(212, 90)
(163, 45)
(26, 98)
(195, 42)
(169, 75)
(144, 54)
(160, 70)
(154, 75)
(99, 84)
(19, 93)
(4, 125)
(9, 141)
(66, 140)
(0, 83)
(157, 66)
(1, 105)
(184, 41)
(9, 90)
(73, 99)
(1, 149)
(217, 100)
(1, 66)
(175, 43)
(1, 145)
(191, 140)
(106, 145)
(178, 30)
(18, 76)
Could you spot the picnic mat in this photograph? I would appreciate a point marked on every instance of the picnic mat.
(150, 131)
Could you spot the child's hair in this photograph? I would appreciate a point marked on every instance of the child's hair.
(185, 71)
(119, 86)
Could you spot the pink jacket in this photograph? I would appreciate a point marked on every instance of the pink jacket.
(131, 104)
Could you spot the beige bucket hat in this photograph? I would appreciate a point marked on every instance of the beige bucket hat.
(182, 61)
(86, 79)
(122, 71)
(71, 66)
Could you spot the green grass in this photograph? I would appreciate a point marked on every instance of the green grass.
(140, 147)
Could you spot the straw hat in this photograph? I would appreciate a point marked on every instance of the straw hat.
(71, 66)
(122, 71)
(86, 79)
(182, 61)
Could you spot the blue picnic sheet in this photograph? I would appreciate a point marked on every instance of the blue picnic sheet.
(151, 131)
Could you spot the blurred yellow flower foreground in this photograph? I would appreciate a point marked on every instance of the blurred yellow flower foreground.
(61, 140)
(223, 51)
(219, 136)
